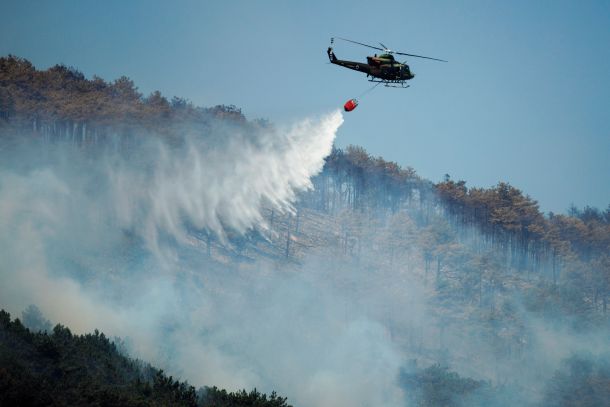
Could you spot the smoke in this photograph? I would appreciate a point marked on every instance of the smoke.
(117, 239)
(107, 239)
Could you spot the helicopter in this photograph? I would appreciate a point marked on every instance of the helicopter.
(381, 68)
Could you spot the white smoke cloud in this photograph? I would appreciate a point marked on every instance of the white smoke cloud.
(101, 240)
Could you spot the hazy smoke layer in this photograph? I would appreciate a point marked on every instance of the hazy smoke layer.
(116, 238)
(104, 238)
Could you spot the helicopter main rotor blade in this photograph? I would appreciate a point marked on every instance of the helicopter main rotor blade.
(419, 56)
(386, 49)
(359, 43)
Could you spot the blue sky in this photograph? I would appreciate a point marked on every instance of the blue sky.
(525, 97)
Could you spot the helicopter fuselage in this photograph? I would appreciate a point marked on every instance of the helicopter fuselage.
(383, 67)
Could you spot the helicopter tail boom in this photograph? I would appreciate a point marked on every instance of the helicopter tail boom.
(356, 66)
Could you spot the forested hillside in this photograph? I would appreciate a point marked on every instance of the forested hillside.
(61, 102)
(476, 295)
(59, 368)
(563, 252)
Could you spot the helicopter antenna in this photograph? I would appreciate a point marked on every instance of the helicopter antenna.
(389, 51)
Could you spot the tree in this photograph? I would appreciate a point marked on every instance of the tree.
(582, 381)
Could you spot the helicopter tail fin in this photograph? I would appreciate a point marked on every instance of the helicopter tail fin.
(331, 54)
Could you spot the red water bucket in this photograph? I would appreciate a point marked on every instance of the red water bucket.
(350, 105)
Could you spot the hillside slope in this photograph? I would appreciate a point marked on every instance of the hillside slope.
(372, 283)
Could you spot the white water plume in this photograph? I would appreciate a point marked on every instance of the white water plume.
(221, 182)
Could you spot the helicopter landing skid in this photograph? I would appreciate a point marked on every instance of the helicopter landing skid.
(391, 84)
